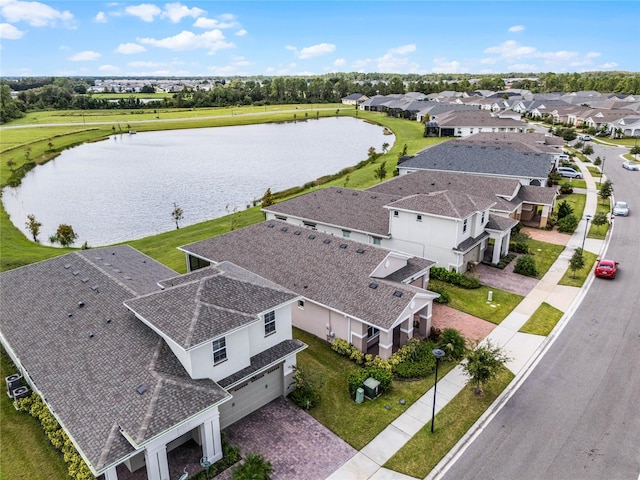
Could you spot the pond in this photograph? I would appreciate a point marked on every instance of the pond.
(124, 188)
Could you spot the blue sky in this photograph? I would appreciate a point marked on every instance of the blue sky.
(218, 38)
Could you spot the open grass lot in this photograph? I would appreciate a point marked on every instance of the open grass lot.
(599, 231)
(16, 250)
(545, 255)
(543, 320)
(577, 278)
(357, 424)
(423, 452)
(474, 301)
(595, 172)
(25, 452)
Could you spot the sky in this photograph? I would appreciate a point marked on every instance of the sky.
(281, 38)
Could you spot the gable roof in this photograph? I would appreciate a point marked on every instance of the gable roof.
(477, 118)
(445, 204)
(208, 304)
(318, 267)
(502, 160)
(86, 353)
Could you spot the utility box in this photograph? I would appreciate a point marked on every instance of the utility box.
(371, 388)
(359, 395)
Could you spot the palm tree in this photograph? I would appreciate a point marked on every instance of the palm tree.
(254, 467)
(385, 147)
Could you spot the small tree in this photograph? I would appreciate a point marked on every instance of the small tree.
(606, 190)
(65, 235)
(564, 209)
(11, 164)
(267, 198)
(27, 153)
(635, 150)
(483, 364)
(385, 147)
(372, 155)
(587, 150)
(568, 224)
(254, 467)
(381, 172)
(526, 265)
(577, 261)
(308, 386)
(177, 214)
(33, 226)
(599, 219)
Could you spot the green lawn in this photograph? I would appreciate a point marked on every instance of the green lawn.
(543, 320)
(425, 449)
(595, 172)
(577, 278)
(25, 452)
(577, 201)
(365, 420)
(599, 231)
(545, 255)
(474, 301)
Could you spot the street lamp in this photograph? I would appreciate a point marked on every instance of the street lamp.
(601, 171)
(586, 228)
(438, 354)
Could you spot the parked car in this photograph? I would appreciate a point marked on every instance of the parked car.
(629, 165)
(569, 172)
(621, 209)
(584, 138)
(606, 268)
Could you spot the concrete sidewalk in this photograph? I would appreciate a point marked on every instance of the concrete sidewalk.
(522, 348)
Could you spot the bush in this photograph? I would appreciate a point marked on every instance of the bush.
(357, 377)
(455, 278)
(566, 189)
(418, 361)
(568, 224)
(526, 265)
(519, 247)
(254, 467)
(453, 343)
(307, 389)
(443, 298)
(564, 209)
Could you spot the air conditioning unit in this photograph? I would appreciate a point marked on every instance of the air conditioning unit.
(13, 381)
(20, 392)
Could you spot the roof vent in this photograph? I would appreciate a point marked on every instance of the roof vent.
(80, 304)
(67, 266)
(76, 272)
(113, 253)
(117, 270)
(338, 191)
(91, 335)
(397, 293)
(108, 320)
(141, 388)
(297, 232)
(84, 280)
(355, 194)
(373, 285)
(270, 225)
(360, 250)
(70, 314)
(95, 288)
(343, 245)
(327, 241)
(374, 196)
(284, 229)
(311, 237)
(127, 277)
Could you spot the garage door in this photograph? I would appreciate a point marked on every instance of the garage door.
(251, 395)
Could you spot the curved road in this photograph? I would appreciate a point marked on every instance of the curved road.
(577, 415)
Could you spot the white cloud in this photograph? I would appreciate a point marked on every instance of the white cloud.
(241, 33)
(145, 11)
(512, 49)
(404, 50)
(339, 62)
(213, 41)
(176, 12)
(312, 51)
(36, 14)
(108, 68)
(396, 61)
(593, 55)
(523, 67)
(9, 32)
(609, 65)
(100, 17)
(129, 48)
(442, 65)
(87, 55)
(222, 21)
(146, 64)
(361, 64)
(516, 28)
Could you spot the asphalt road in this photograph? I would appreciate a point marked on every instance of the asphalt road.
(577, 415)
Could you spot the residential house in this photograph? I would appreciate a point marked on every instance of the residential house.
(364, 294)
(629, 125)
(462, 124)
(132, 366)
(354, 99)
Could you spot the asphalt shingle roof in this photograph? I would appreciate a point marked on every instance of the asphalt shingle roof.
(446, 204)
(86, 353)
(316, 266)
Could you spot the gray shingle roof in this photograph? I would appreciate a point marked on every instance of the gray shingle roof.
(340, 207)
(496, 222)
(322, 272)
(456, 156)
(90, 381)
(446, 204)
(207, 307)
(478, 118)
(470, 242)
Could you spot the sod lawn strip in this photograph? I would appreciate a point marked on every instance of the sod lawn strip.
(543, 320)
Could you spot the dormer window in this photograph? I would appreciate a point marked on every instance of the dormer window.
(464, 226)
(219, 351)
(269, 323)
(419, 218)
(482, 218)
(346, 233)
(396, 213)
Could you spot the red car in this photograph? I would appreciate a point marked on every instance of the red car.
(606, 268)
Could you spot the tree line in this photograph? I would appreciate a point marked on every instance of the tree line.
(43, 93)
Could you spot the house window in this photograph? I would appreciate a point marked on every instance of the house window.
(376, 241)
(301, 304)
(270, 323)
(219, 351)
(280, 217)
(310, 225)
(346, 233)
(482, 219)
(419, 218)
(396, 213)
(464, 226)
(372, 331)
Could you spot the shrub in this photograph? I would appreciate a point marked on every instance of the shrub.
(568, 224)
(526, 265)
(307, 389)
(357, 377)
(418, 361)
(519, 247)
(414, 369)
(254, 467)
(455, 278)
(443, 298)
(566, 189)
(453, 343)
(564, 209)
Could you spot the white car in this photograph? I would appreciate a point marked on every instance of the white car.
(621, 209)
(568, 172)
(629, 165)
(584, 138)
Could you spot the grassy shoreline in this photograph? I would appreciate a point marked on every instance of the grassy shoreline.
(40, 144)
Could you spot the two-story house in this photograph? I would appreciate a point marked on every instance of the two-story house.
(132, 366)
